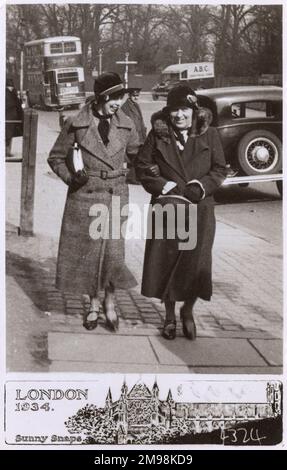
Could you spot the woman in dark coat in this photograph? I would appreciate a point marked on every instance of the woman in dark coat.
(181, 158)
(90, 259)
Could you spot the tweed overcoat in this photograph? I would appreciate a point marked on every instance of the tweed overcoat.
(171, 273)
(133, 110)
(87, 263)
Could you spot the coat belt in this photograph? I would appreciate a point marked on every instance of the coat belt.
(104, 174)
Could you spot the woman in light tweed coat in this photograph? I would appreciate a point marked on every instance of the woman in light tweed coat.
(104, 135)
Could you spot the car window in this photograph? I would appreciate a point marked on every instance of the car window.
(236, 110)
(255, 109)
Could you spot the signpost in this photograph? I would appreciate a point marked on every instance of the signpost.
(126, 62)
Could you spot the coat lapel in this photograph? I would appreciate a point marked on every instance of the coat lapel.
(116, 143)
(118, 138)
(88, 136)
(171, 155)
(193, 150)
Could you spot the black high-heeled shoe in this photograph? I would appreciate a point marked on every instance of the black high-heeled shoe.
(169, 329)
(94, 314)
(188, 324)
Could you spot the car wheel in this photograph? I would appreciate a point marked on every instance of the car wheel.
(279, 185)
(260, 152)
(155, 97)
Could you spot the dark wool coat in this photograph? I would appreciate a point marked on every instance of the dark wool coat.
(14, 112)
(133, 110)
(86, 264)
(170, 273)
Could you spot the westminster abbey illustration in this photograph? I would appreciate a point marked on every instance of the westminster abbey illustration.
(141, 408)
(140, 416)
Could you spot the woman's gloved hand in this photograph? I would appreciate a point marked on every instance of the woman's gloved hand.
(193, 192)
(79, 179)
(153, 170)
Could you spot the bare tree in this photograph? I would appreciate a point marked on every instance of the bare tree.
(240, 32)
(139, 31)
(241, 39)
(189, 26)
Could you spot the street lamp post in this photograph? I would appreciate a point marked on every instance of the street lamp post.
(179, 53)
(126, 62)
(23, 26)
(100, 60)
(21, 72)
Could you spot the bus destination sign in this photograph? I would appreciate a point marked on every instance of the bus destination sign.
(63, 61)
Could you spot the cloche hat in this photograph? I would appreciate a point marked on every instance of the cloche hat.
(182, 96)
(108, 84)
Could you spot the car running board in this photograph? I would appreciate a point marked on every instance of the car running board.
(252, 179)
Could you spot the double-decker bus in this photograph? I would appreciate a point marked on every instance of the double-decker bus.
(53, 72)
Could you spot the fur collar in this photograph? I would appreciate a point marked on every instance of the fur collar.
(161, 126)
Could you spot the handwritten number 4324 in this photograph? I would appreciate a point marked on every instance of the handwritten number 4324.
(240, 436)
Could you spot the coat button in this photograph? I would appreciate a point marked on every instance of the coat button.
(111, 190)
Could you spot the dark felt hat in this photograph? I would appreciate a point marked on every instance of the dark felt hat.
(181, 96)
(107, 84)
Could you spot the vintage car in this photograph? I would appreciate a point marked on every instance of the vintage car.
(160, 90)
(249, 122)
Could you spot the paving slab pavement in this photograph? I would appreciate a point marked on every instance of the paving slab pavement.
(140, 352)
(270, 349)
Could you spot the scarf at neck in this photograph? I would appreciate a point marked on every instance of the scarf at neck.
(103, 126)
(179, 137)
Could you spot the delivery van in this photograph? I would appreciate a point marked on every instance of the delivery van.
(198, 75)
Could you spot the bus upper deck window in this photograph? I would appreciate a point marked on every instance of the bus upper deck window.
(56, 48)
(69, 47)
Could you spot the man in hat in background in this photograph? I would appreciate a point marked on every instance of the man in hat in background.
(14, 113)
(132, 109)
(88, 261)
